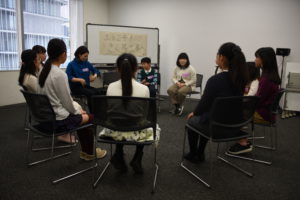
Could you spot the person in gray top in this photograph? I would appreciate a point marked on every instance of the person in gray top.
(53, 82)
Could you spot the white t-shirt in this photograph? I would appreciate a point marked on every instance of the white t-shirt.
(30, 82)
(138, 89)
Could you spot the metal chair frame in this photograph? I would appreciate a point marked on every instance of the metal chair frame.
(40, 110)
(214, 138)
(98, 114)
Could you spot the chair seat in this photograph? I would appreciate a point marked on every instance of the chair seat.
(229, 135)
(48, 133)
(109, 140)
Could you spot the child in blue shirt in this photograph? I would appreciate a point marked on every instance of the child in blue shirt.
(148, 76)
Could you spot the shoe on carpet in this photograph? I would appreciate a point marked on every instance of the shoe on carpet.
(240, 149)
(180, 110)
(100, 153)
(136, 163)
(118, 162)
(194, 158)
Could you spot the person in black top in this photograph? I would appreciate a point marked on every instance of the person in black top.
(230, 82)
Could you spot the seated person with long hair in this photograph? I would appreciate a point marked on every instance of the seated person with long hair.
(231, 81)
(128, 86)
(53, 82)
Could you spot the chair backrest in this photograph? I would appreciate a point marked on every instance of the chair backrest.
(40, 107)
(121, 113)
(199, 78)
(109, 77)
(230, 114)
(275, 104)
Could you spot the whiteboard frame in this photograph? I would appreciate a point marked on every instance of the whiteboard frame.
(154, 59)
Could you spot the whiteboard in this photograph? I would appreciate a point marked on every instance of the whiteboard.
(106, 42)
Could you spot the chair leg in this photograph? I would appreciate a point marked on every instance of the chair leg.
(247, 158)
(250, 159)
(30, 140)
(156, 170)
(273, 138)
(57, 147)
(232, 164)
(187, 169)
(81, 171)
(74, 174)
(104, 170)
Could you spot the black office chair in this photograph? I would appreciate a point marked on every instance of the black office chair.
(125, 114)
(273, 111)
(199, 78)
(227, 117)
(81, 100)
(110, 77)
(41, 111)
(158, 95)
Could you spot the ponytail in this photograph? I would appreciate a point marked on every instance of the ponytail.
(236, 63)
(45, 72)
(126, 77)
(56, 47)
(127, 66)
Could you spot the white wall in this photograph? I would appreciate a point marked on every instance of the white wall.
(199, 27)
(9, 88)
(95, 12)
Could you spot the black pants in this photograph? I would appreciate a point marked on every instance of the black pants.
(197, 142)
(119, 149)
(152, 90)
(87, 91)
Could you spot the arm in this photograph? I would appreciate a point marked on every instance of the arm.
(71, 77)
(154, 82)
(174, 78)
(193, 77)
(253, 88)
(207, 98)
(94, 71)
(62, 90)
(31, 82)
(264, 91)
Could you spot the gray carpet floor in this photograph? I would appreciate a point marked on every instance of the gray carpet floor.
(277, 182)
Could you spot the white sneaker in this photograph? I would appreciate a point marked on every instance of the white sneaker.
(180, 109)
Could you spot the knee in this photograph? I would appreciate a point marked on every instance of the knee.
(85, 118)
(170, 91)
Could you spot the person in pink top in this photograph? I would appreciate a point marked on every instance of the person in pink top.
(268, 87)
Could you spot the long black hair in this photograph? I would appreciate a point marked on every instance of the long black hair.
(236, 63)
(28, 67)
(39, 49)
(127, 66)
(81, 50)
(183, 56)
(269, 62)
(55, 48)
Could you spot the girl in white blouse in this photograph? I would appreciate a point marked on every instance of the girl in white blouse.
(127, 86)
(29, 68)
